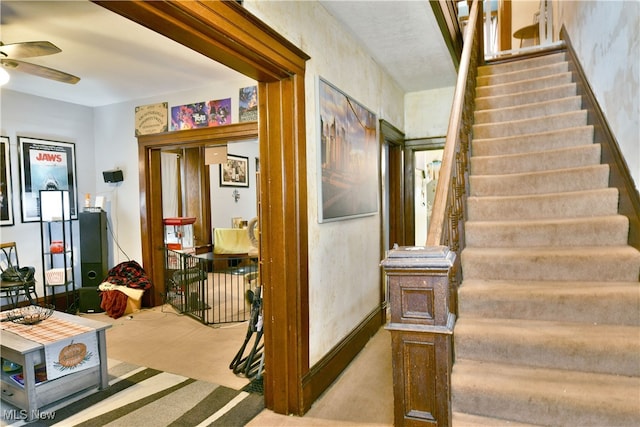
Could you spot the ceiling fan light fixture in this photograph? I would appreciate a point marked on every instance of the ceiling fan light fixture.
(4, 76)
(9, 53)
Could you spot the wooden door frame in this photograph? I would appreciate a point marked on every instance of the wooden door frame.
(394, 140)
(151, 215)
(391, 143)
(225, 32)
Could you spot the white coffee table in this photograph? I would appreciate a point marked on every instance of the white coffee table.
(32, 397)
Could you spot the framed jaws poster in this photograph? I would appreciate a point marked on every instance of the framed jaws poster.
(46, 165)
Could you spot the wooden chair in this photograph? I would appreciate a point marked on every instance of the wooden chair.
(13, 290)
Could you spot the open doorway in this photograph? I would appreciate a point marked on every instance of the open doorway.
(224, 32)
(209, 201)
(426, 173)
(212, 276)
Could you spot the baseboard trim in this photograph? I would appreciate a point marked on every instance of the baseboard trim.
(620, 176)
(325, 372)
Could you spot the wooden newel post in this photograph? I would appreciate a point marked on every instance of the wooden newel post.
(421, 327)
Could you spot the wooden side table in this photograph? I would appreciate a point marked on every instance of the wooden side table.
(530, 32)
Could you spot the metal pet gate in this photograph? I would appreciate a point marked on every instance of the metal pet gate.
(210, 290)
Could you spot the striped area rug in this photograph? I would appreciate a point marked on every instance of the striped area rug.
(139, 396)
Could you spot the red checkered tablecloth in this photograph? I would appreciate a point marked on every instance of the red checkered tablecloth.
(48, 331)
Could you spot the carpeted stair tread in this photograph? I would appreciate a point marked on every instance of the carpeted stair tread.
(531, 126)
(559, 180)
(523, 74)
(468, 420)
(528, 111)
(547, 396)
(615, 303)
(611, 230)
(585, 203)
(588, 263)
(600, 348)
(536, 161)
(524, 86)
(507, 67)
(548, 312)
(532, 143)
(539, 95)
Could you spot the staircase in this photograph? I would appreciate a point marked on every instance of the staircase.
(548, 331)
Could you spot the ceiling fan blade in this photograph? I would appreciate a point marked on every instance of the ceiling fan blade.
(40, 71)
(28, 49)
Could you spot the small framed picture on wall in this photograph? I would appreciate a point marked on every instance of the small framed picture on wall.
(234, 172)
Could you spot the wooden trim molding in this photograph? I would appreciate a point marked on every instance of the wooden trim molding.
(394, 139)
(504, 25)
(390, 133)
(200, 136)
(284, 253)
(225, 32)
(620, 176)
(392, 221)
(221, 30)
(446, 15)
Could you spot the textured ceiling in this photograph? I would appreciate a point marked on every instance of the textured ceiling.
(116, 59)
(403, 37)
(119, 60)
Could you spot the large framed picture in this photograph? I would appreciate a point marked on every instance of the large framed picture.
(6, 184)
(46, 165)
(234, 172)
(348, 156)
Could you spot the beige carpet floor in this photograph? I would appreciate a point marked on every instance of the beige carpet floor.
(547, 331)
(161, 338)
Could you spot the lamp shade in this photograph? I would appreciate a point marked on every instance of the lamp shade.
(54, 205)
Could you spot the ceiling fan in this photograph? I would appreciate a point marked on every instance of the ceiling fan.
(10, 52)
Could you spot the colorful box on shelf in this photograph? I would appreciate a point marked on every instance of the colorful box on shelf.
(56, 276)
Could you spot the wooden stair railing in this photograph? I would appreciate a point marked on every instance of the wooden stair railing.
(423, 280)
(446, 227)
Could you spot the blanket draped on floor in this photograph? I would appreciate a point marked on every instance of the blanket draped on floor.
(128, 274)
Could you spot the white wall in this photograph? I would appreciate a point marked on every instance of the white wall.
(522, 12)
(427, 112)
(344, 256)
(35, 117)
(606, 37)
(223, 205)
